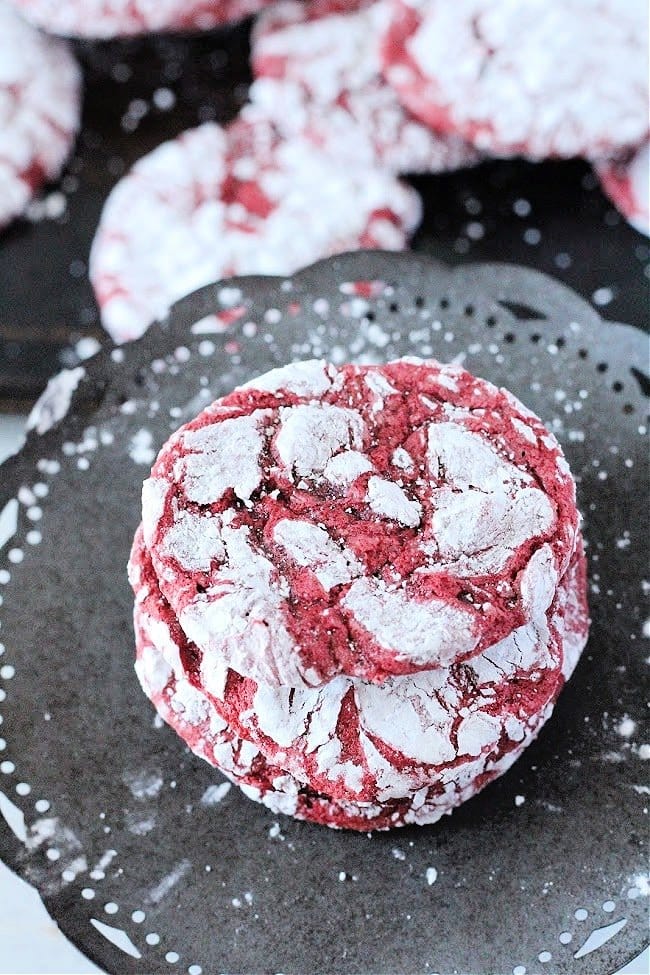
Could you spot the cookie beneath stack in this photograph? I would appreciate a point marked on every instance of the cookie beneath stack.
(359, 589)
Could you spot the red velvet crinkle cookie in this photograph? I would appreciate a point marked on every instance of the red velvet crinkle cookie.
(217, 202)
(318, 70)
(516, 688)
(40, 101)
(536, 79)
(122, 18)
(627, 183)
(356, 741)
(362, 520)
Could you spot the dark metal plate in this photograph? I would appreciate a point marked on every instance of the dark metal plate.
(114, 821)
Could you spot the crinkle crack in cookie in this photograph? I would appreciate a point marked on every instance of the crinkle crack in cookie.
(414, 751)
(627, 183)
(40, 99)
(318, 70)
(524, 77)
(361, 520)
(123, 18)
(242, 200)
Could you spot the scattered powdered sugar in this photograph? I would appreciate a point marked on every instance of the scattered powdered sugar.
(141, 450)
(215, 793)
(143, 784)
(53, 404)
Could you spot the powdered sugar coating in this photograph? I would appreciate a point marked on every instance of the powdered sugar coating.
(121, 18)
(372, 754)
(627, 184)
(325, 556)
(534, 79)
(241, 200)
(40, 96)
(318, 69)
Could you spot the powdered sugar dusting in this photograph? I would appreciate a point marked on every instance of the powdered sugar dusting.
(419, 632)
(311, 546)
(225, 455)
(388, 499)
(310, 436)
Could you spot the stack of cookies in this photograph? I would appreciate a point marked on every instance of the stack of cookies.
(359, 589)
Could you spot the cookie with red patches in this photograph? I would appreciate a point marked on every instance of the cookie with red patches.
(124, 18)
(40, 104)
(318, 69)
(365, 521)
(361, 742)
(535, 79)
(218, 202)
(166, 669)
(627, 183)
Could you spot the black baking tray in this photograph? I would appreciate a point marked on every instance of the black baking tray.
(551, 216)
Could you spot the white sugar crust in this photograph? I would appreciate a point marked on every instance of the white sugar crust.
(311, 435)
(239, 620)
(344, 468)
(423, 634)
(40, 98)
(223, 456)
(540, 78)
(487, 507)
(310, 546)
(167, 227)
(390, 500)
(309, 378)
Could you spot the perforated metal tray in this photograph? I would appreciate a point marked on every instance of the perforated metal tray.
(107, 808)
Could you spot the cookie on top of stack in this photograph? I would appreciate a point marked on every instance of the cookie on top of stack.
(359, 589)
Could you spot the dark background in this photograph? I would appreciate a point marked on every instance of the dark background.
(551, 216)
